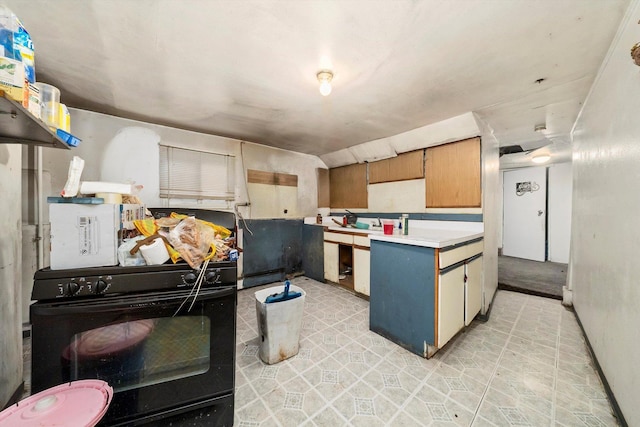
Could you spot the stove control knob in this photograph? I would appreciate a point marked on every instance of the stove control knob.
(101, 287)
(72, 288)
(190, 278)
(212, 277)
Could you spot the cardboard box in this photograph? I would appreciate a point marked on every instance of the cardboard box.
(12, 80)
(89, 235)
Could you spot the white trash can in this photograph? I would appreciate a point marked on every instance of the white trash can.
(279, 324)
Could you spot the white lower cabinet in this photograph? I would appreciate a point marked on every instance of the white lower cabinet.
(347, 250)
(450, 304)
(331, 262)
(361, 270)
(472, 289)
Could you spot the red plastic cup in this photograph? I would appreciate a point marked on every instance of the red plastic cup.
(388, 227)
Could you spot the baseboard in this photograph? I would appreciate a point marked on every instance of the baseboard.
(485, 317)
(15, 398)
(617, 412)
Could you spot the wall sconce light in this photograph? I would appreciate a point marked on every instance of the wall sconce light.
(542, 158)
(325, 77)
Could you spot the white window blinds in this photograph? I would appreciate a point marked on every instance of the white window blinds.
(193, 174)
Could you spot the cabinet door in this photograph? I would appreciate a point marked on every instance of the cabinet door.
(453, 175)
(450, 304)
(361, 270)
(331, 258)
(473, 289)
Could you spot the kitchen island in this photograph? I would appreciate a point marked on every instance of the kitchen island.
(426, 286)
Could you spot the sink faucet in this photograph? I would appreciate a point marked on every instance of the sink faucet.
(379, 223)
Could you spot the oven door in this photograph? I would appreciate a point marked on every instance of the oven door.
(159, 361)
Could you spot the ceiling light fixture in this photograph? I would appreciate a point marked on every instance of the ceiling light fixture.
(541, 158)
(325, 77)
(540, 127)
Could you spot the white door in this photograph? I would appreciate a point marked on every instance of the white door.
(524, 198)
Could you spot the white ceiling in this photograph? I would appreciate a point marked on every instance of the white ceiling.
(247, 68)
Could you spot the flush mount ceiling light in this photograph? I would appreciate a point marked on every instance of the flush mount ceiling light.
(325, 77)
(540, 127)
(542, 158)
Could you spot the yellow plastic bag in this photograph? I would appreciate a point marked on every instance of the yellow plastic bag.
(207, 232)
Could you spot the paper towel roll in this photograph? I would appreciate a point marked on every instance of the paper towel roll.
(111, 198)
(155, 253)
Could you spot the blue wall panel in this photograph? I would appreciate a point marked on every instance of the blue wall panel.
(272, 251)
(313, 252)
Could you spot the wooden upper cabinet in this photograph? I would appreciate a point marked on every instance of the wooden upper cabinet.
(324, 196)
(379, 171)
(404, 166)
(452, 175)
(348, 186)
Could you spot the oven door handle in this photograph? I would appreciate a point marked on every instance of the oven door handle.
(133, 303)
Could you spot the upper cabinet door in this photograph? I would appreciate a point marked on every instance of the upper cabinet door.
(403, 167)
(348, 186)
(452, 175)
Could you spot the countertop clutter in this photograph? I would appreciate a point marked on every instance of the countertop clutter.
(426, 233)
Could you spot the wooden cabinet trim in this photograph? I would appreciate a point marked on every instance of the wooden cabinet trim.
(271, 178)
(324, 195)
(351, 233)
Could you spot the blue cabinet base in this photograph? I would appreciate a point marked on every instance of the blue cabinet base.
(402, 300)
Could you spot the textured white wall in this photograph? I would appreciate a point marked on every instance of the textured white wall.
(401, 196)
(272, 200)
(559, 212)
(122, 150)
(605, 237)
(10, 271)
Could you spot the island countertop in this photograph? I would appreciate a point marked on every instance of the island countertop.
(431, 238)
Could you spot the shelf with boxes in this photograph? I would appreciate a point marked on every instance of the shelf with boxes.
(30, 111)
(19, 126)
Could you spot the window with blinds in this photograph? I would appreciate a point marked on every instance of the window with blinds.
(193, 174)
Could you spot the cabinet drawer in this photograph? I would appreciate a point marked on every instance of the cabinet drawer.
(338, 238)
(361, 241)
(461, 253)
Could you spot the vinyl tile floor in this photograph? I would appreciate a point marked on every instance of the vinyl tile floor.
(528, 365)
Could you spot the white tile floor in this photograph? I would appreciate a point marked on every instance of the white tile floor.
(527, 366)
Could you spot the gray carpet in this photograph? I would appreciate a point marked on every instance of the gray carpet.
(532, 277)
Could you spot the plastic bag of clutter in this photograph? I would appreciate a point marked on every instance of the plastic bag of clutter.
(125, 258)
(190, 238)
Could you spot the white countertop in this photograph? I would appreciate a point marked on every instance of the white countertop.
(430, 238)
(431, 234)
